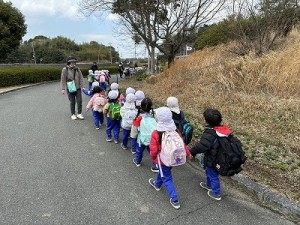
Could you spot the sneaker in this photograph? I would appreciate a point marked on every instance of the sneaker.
(154, 169)
(73, 117)
(133, 152)
(80, 116)
(124, 147)
(175, 204)
(215, 197)
(116, 142)
(152, 183)
(204, 185)
(97, 128)
(108, 139)
(137, 164)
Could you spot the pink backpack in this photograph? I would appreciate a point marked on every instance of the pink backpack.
(99, 103)
(172, 149)
(102, 78)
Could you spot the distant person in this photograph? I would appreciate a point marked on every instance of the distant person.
(121, 69)
(72, 81)
(94, 67)
(208, 145)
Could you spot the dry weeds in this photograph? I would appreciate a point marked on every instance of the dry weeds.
(258, 97)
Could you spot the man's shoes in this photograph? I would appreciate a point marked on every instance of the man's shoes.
(152, 183)
(73, 117)
(80, 116)
(175, 204)
(204, 185)
(215, 197)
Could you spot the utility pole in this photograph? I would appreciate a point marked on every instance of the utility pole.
(33, 52)
(110, 53)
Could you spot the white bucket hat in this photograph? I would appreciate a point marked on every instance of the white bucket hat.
(139, 97)
(130, 99)
(164, 119)
(114, 86)
(130, 90)
(172, 103)
(113, 94)
(94, 84)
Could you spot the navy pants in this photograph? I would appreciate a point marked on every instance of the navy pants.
(103, 86)
(126, 134)
(74, 98)
(133, 144)
(98, 118)
(213, 181)
(167, 180)
(113, 125)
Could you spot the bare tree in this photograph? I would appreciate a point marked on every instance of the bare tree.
(160, 24)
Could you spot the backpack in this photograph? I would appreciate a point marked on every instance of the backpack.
(185, 128)
(98, 104)
(128, 118)
(102, 79)
(172, 149)
(147, 126)
(114, 110)
(230, 156)
(90, 78)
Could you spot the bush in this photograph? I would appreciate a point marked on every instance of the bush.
(25, 75)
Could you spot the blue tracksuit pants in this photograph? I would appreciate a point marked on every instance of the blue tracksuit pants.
(213, 181)
(98, 118)
(126, 134)
(167, 180)
(113, 125)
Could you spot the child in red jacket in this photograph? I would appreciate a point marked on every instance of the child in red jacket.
(164, 123)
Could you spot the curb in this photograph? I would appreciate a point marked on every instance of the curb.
(15, 88)
(266, 197)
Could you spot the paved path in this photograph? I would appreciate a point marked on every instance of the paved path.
(57, 171)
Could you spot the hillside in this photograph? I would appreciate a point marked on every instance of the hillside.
(258, 97)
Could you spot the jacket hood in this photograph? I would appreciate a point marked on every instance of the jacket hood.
(222, 131)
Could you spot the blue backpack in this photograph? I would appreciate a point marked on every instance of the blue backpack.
(185, 128)
(147, 126)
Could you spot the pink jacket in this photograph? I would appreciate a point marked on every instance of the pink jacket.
(92, 100)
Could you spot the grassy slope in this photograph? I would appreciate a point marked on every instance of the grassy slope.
(259, 100)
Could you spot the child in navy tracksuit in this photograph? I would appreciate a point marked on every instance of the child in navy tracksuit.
(209, 146)
(97, 110)
(146, 110)
(90, 92)
(164, 123)
(128, 113)
(139, 96)
(112, 124)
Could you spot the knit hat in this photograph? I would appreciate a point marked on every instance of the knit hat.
(139, 97)
(164, 119)
(114, 86)
(130, 99)
(172, 103)
(113, 94)
(130, 90)
(94, 84)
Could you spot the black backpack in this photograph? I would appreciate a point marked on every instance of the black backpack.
(185, 128)
(230, 156)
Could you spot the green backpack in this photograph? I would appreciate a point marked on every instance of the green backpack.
(114, 110)
(90, 78)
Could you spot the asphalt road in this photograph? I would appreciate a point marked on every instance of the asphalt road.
(57, 171)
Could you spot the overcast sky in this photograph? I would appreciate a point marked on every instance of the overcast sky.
(52, 18)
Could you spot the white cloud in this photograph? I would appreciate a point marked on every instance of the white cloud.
(60, 8)
(112, 17)
(95, 37)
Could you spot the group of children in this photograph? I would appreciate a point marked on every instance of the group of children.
(145, 127)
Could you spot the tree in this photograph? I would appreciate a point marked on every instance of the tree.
(12, 28)
(161, 24)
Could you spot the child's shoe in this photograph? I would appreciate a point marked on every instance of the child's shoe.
(97, 128)
(204, 185)
(154, 169)
(108, 139)
(175, 204)
(123, 147)
(215, 197)
(116, 141)
(133, 151)
(152, 183)
(137, 164)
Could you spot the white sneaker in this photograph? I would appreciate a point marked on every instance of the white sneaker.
(80, 116)
(73, 117)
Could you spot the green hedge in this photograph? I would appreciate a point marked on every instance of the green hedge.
(11, 76)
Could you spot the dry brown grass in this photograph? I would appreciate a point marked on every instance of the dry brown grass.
(258, 97)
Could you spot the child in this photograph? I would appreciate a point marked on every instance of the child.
(164, 123)
(130, 90)
(208, 145)
(97, 102)
(139, 96)
(128, 113)
(102, 80)
(143, 112)
(90, 79)
(115, 87)
(90, 92)
(112, 112)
